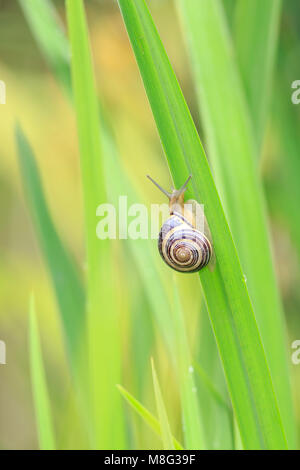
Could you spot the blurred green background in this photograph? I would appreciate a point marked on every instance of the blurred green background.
(36, 101)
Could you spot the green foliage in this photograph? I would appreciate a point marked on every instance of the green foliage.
(255, 34)
(233, 153)
(103, 337)
(252, 408)
(194, 426)
(224, 286)
(65, 279)
(47, 28)
(146, 415)
(39, 385)
(162, 414)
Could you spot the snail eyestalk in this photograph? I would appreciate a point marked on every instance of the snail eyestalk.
(175, 192)
(159, 187)
(183, 188)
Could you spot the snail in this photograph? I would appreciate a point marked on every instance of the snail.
(181, 243)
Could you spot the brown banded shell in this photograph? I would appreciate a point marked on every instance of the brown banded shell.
(182, 247)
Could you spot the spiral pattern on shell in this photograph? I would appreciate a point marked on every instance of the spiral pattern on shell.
(182, 247)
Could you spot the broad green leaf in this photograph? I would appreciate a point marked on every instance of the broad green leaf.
(67, 285)
(103, 322)
(48, 31)
(255, 34)
(232, 151)
(223, 283)
(145, 414)
(39, 385)
(162, 414)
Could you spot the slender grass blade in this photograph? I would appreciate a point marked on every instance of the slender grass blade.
(103, 318)
(162, 414)
(255, 36)
(39, 385)
(66, 282)
(145, 414)
(193, 425)
(48, 31)
(210, 379)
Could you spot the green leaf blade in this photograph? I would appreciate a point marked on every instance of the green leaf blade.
(145, 414)
(104, 343)
(48, 31)
(193, 424)
(67, 284)
(162, 414)
(39, 386)
(255, 34)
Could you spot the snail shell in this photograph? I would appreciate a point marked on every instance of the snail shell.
(181, 245)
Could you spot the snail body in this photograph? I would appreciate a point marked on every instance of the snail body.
(181, 244)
